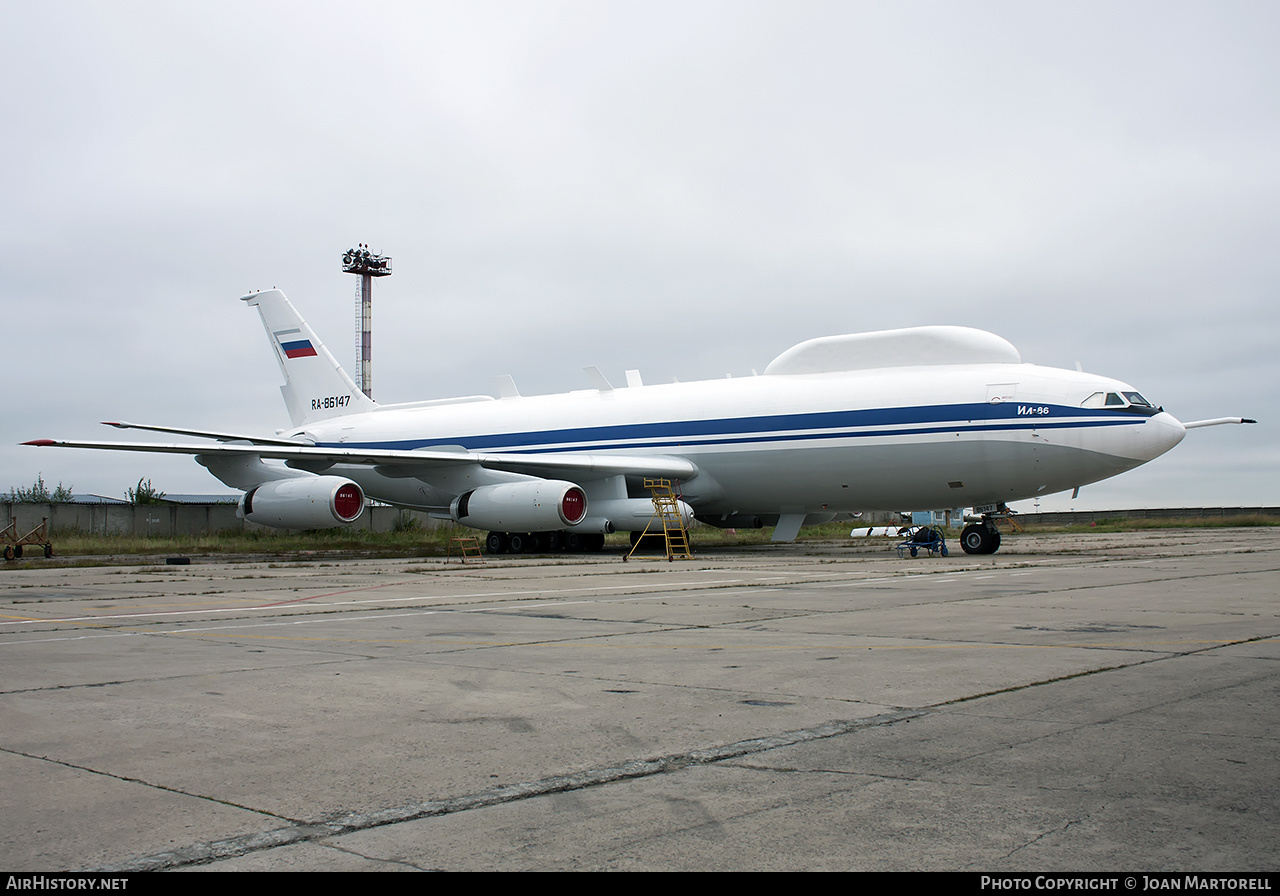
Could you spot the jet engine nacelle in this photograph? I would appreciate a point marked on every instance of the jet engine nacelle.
(539, 505)
(627, 515)
(311, 502)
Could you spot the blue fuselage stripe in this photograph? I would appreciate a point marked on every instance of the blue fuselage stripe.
(877, 423)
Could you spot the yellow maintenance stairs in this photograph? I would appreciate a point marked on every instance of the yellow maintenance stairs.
(666, 507)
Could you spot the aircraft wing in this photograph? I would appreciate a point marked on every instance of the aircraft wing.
(589, 466)
(206, 434)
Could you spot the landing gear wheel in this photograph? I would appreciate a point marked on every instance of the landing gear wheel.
(553, 542)
(496, 543)
(518, 542)
(976, 539)
(980, 538)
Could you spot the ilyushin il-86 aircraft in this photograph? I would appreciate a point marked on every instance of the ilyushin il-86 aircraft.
(923, 417)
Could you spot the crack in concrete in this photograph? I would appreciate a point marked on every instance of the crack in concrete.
(299, 832)
(1034, 840)
(346, 850)
(327, 661)
(132, 780)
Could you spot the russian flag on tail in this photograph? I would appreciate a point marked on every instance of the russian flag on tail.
(300, 349)
(294, 348)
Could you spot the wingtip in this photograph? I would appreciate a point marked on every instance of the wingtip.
(41, 443)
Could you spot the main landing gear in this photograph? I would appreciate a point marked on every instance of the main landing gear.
(981, 535)
(980, 538)
(543, 542)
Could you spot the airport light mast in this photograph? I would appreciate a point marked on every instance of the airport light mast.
(368, 265)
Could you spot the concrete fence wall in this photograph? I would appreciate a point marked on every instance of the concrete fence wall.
(169, 520)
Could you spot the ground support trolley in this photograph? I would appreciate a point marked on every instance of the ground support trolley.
(38, 536)
(924, 538)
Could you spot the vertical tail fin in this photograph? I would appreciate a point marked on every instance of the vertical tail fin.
(315, 385)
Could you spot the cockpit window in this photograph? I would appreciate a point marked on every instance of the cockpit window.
(1129, 402)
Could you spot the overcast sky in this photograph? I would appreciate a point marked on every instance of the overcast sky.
(687, 188)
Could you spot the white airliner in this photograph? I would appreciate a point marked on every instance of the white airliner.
(921, 417)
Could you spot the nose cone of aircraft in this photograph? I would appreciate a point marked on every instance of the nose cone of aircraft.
(1159, 434)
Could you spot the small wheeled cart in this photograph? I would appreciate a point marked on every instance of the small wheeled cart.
(924, 538)
(13, 543)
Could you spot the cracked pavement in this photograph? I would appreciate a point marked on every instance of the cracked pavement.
(1074, 703)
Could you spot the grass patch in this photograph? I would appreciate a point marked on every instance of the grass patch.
(404, 542)
(1121, 524)
(415, 540)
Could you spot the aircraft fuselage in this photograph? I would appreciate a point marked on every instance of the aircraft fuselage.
(798, 443)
